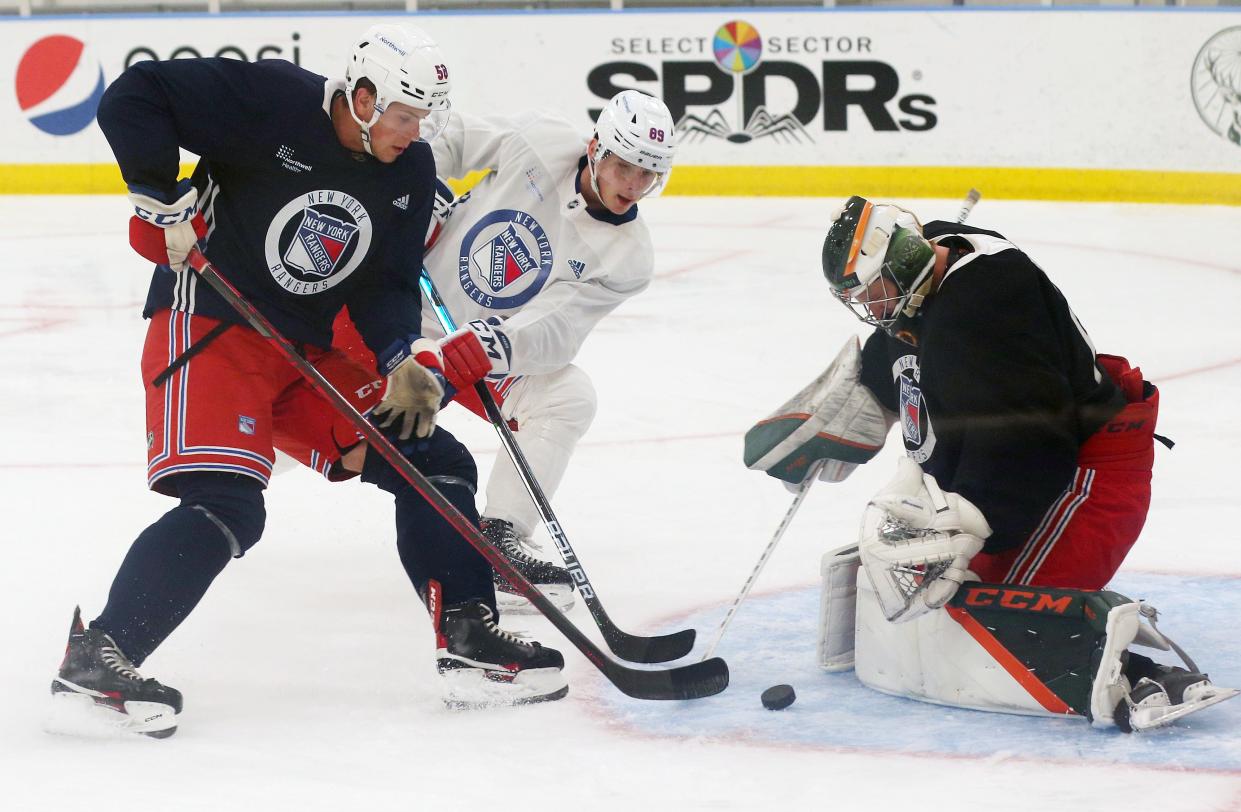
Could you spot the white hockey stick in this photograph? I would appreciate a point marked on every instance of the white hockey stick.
(968, 204)
(802, 490)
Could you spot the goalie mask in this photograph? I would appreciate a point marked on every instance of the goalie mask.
(406, 66)
(639, 130)
(877, 262)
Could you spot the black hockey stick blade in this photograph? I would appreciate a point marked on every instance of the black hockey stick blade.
(693, 681)
(636, 649)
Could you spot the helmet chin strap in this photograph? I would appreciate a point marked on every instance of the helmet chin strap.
(365, 125)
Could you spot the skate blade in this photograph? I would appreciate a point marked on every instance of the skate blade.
(73, 714)
(562, 597)
(1142, 719)
(473, 689)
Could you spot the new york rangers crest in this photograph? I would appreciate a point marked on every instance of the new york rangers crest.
(321, 240)
(506, 257)
(916, 428)
(504, 260)
(316, 241)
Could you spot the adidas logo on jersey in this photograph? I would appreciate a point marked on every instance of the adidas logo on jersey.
(401, 202)
(578, 266)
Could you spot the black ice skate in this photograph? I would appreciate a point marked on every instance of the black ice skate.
(97, 689)
(483, 666)
(1161, 694)
(554, 582)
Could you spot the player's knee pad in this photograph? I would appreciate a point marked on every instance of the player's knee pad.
(566, 396)
(442, 458)
(233, 503)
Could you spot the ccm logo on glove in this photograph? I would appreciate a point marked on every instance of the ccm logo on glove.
(164, 230)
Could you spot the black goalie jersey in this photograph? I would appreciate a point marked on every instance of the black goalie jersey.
(1000, 388)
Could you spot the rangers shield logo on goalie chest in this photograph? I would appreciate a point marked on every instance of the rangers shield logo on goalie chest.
(505, 259)
(916, 428)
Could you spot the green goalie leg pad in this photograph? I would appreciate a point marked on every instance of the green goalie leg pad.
(1056, 636)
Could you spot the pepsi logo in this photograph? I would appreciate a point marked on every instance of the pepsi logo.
(59, 85)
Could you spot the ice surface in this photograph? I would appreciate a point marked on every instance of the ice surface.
(307, 670)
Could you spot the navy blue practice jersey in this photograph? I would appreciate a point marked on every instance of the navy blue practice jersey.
(299, 224)
(1000, 387)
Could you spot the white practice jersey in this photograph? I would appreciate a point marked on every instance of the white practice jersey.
(522, 246)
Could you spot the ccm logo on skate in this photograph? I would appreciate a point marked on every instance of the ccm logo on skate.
(1017, 599)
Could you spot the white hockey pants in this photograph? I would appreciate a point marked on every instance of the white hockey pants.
(553, 411)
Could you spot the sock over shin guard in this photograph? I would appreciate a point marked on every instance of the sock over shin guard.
(172, 563)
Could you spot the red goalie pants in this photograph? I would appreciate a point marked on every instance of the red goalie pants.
(233, 402)
(1090, 528)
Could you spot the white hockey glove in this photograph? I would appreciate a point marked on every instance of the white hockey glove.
(164, 231)
(835, 420)
(415, 390)
(916, 543)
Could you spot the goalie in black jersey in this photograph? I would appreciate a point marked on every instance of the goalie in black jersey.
(1026, 481)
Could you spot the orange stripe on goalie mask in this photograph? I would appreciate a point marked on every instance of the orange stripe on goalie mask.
(859, 234)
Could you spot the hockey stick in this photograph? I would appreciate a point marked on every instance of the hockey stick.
(967, 205)
(634, 648)
(691, 681)
(802, 490)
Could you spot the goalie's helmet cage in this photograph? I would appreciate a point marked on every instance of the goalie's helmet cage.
(867, 241)
(405, 65)
(637, 128)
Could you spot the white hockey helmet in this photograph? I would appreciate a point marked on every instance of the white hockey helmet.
(405, 65)
(637, 128)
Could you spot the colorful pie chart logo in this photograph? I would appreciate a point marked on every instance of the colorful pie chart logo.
(738, 47)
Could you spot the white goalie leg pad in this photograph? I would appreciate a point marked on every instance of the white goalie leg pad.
(838, 608)
(933, 658)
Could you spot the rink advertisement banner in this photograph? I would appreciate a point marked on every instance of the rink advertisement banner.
(1102, 105)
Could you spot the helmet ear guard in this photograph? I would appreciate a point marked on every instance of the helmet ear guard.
(870, 241)
(405, 65)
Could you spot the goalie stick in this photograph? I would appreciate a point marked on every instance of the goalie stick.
(691, 681)
(631, 647)
(802, 490)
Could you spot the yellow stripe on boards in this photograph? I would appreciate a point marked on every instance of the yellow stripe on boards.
(997, 183)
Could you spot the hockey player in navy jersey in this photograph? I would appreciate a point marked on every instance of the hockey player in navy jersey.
(1026, 480)
(312, 194)
(530, 260)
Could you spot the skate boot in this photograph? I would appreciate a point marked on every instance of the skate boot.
(485, 666)
(554, 582)
(98, 690)
(1161, 694)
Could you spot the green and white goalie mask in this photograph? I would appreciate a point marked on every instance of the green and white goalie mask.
(877, 262)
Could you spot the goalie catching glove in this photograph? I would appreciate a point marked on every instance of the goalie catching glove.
(164, 230)
(916, 543)
(835, 420)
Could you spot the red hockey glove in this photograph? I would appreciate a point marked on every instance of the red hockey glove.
(474, 352)
(164, 232)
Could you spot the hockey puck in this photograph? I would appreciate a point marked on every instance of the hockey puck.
(778, 697)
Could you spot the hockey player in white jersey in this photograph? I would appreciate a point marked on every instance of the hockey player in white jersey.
(529, 261)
